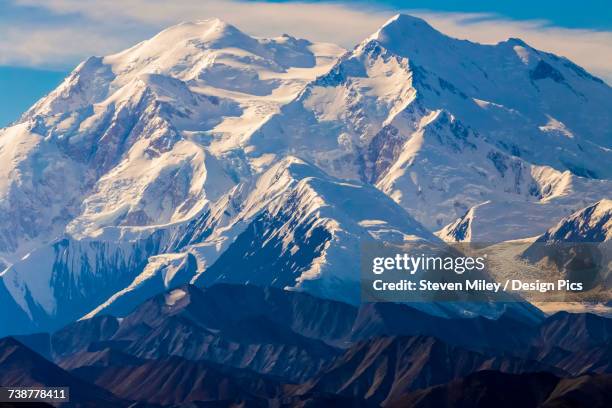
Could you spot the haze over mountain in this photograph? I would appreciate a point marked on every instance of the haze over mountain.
(205, 155)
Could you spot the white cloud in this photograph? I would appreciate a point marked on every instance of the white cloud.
(57, 47)
(105, 26)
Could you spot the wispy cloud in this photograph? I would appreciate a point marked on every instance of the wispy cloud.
(53, 47)
(74, 29)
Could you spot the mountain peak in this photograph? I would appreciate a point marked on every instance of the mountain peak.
(402, 27)
(404, 19)
(214, 33)
(217, 27)
(206, 26)
(516, 41)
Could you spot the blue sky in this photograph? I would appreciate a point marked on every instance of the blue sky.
(595, 14)
(42, 40)
(20, 87)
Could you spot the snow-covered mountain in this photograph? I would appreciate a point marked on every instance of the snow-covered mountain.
(206, 155)
(591, 224)
(296, 227)
(136, 138)
(442, 125)
(579, 247)
(497, 221)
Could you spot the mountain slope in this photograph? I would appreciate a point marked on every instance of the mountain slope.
(587, 330)
(294, 226)
(186, 323)
(489, 388)
(178, 381)
(478, 223)
(384, 369)
(282, 347)
(236, 319)
(591, 224)
(19, 366)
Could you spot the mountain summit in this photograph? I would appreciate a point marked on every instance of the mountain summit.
(399, 30)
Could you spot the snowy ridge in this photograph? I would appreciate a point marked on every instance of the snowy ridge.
(55, 283)
(591, 224)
